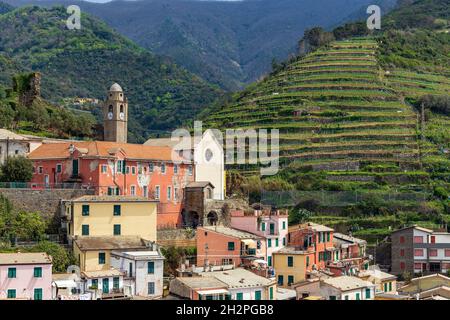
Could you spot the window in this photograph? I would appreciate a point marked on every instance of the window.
(269, 261)
(358, 296)
(145, 191)
(175, 194)
(58, 168)
(290, 280)
(284, 241)
(402, 252)
(280, 280)
(346, 297)
(433, 252)
(271, 293)
(433, 239)
(38, 294)
(226, 262)
(151, 288)
(367, 293)
(104, 168)
(190, 170)
(269, 243)
(85, 210)
(169, 193)
(120, 166)
(290, 261)
(175, 169)
(263, 226)
(151, 167)
(447, 252)
(284, 225)
(163, 168)
(417, 266)
(418, 252)
(127, 169)
(390, 286)
(402, 265)
(151, 267)
(133, 190)
(385, 287)
(258, 295)
(11, 272)
(157, 192)
(307, 261)
(418, 239)
(101, 258)
(276, 243)
(116, 282)
(333, 298)
(133, 170)
(40, 170)
(11, 293)
(230, 246)
(402, 239)
(328, 237)
(117, 229)
(94, 283)
(239, 296)
(117, 210)
(85, 230)
(37, 272)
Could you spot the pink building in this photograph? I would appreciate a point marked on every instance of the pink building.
(26, 276)
(272, 226)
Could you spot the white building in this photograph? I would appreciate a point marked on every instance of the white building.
(104, 283)
(143, 270)
(12, 144)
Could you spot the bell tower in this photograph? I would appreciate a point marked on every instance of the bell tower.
(115, 115)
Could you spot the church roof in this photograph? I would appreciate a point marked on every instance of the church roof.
(116, 87)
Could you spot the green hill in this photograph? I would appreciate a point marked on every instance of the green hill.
(349, 121)
(84, 63)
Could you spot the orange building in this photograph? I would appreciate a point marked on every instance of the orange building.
(111, 168)
(315, 238)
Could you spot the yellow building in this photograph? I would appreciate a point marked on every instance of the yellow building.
(97, 216)
(290, 265)
(93, 253)
(418, 285)
(384, 282)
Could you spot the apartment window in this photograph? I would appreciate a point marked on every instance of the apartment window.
(263, 226)
(157, 192)
(418, 252)
(190, 170)
(133, 170)
(239, 296)
(169, 193)
(284, 241)
(145, 191)
(402, 252)
(163, 168)
(276, 243)
(85, 210)
(11, 293)
(385, 287)
(280, 280)
(307, 261)
(104, 168)
(346, 298)
(116, 282)
(230, 246)
(151, 167)
(101, 258)
(120, 166)
(117, 210)
(117, 230)
(94, 283)
(227, 261)
(271, 293)
(290, 280)
(85, 230)
(418, 239)
(37, 273)
(175, 194)
(133, 190)
(175, 169)
(40, 170)
(284, 225)
(269, 261)
(390, 286)
(38, 294)
(433, 252)
(127, 170)
(367, 293)
(12, 272)
(269, 243)
(328, 236)
(433, 239)
(402, 265)
(290, 261)
(258, 295)
(402, 239)
(58, 168)
(151, 267)
(333, 298)
(358, 296)
(447, 252)
(151, 288)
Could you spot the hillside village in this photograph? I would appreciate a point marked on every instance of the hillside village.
(98, 202)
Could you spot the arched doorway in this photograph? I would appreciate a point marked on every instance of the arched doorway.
(212, 218)
(193, 219)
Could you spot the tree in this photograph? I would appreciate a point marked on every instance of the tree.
(61, 258)
(299, 215)
(16, 169)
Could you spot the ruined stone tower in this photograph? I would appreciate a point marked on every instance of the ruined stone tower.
(115, 115)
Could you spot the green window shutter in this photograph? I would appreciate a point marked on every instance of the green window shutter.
(263, 226)
(151, 267)
(390, 286)
(269, 261)
(101, 258)
(85, 210)
(284, 241)
(385, 287)
(11, 272)
(38, 272)
(239, 296)
(116, 282)
(230, 246)
(290, 261)
(258, 295)
(117, 230)
(367, 293)
(284, 225)
(332, 297)
(346, 297)
(85, 230)
(11, 293)
(151, 289)
(328, 236)
(117, 210)
(271, 293)
(307, 261)
(276, 243)
(269, 243)
(280, 280)
(37, 294)
(358, 297)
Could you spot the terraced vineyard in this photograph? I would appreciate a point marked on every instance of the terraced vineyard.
(340, 113)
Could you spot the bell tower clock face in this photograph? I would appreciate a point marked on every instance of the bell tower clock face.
(110, 115)
(122, 116)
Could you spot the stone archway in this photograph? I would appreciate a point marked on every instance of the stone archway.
(193, 219)
(212, 218)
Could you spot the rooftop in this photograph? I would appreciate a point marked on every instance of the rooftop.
(25, 258)
(311, 225)
(112, 199)
(414, 227)
(102, 273)
(239, 278)
(116, 87)
(346, 283)
(199, 184)
(231, 232)
(104, 149)
(202, 282)
(139, 255)
(6, 134)
(109, 243)
(292, 250)
(377, 274)
(172, 142)
(347, 238)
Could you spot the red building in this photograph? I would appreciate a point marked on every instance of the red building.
(313, 237)
(116, 168)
